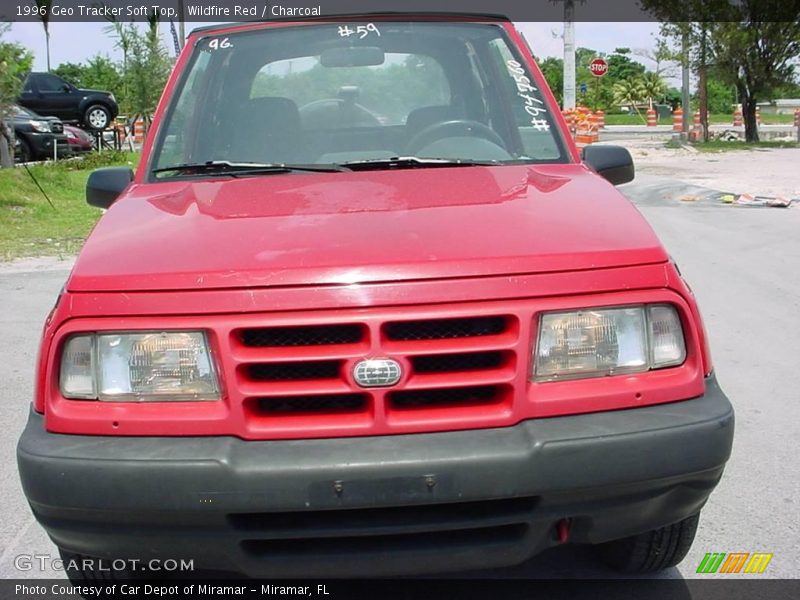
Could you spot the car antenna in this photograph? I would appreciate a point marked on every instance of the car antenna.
(39, 186)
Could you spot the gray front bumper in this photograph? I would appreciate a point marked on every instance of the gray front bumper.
(377, 505)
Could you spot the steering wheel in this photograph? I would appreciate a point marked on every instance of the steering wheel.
(454, 128)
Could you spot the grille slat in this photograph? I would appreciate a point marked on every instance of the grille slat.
(434, 398)
(295, 371)
(312, 403)
(442, 329)
(455, 363)
(312, 335)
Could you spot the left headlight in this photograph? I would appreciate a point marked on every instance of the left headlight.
(608, 341)
(41, 126)
(139, 367)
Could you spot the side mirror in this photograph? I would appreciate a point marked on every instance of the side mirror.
(66, 87)
(613, 163)
(105, 185)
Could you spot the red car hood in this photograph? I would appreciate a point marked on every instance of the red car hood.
(377, 226)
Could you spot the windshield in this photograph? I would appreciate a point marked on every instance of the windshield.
(344, 94)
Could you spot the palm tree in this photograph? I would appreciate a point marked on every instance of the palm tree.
(44, 17)
(652, 87)
(629, 91)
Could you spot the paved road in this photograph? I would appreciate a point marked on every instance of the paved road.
(742, 264)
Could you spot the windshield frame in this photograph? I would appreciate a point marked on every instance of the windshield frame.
(198, 37)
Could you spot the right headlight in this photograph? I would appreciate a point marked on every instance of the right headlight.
(608, 341)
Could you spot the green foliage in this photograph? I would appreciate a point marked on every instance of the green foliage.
(753, 44)
(72, 72)
(15, 62)
(103, 74)
(721, 96)
(147, 70)
(553, 71)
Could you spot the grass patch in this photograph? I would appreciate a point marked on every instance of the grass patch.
(714, 119)
(29, 226)
(721, 146)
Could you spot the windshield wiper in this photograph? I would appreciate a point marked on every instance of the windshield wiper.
(237, 169)
(414, 162)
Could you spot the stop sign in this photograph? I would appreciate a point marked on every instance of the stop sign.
(598, 67)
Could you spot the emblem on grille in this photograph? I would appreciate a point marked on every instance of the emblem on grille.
(377, 372)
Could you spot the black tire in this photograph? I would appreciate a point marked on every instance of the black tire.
(653, 550)
(97, 117)
(25, 151)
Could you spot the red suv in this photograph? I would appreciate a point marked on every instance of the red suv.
(365, 309)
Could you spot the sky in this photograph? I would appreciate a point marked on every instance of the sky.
(76, 42)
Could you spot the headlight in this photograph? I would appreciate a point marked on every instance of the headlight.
(597, 342)
(41, 126)
(151, 366)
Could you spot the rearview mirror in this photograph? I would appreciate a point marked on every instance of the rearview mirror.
(105, 185)
(352, 56)
(613, 163)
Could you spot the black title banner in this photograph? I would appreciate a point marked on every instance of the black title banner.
(516, 10)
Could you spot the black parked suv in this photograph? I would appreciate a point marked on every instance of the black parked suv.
(36, 135)
(48, 94)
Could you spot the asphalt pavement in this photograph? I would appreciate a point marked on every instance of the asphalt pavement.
(742, 264)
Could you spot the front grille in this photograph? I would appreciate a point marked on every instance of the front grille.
(56, 127)
(440, 329)
(295, 371)
(299, 379)
(486, 394)
(312, 403)
(456, 363)
(315, 335)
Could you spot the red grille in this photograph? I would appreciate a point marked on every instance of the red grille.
(299, 378)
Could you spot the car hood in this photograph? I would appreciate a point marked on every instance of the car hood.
(359, 227)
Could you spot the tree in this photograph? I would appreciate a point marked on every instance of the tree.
(629, 92)
(72, 72)
(100, 72)
(15, 62)
(148, 69)
(553, 71)
(44, 7)
(751, 44)
(756, 56)
(663, 55)
(652, 87)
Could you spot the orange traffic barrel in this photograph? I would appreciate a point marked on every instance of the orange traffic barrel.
(651, 117)
(601, 119)
(737, 117)
(677, 119)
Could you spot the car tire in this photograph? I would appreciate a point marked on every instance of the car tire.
(97, 117)
(653, 550)
(25, 151)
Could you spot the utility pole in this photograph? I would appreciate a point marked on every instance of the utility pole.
(181, 23)
(569, 54)
(687, 114)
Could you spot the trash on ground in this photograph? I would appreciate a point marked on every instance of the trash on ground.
(688, 198)
(757, 201)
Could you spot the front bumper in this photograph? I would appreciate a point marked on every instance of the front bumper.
(377, 505)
